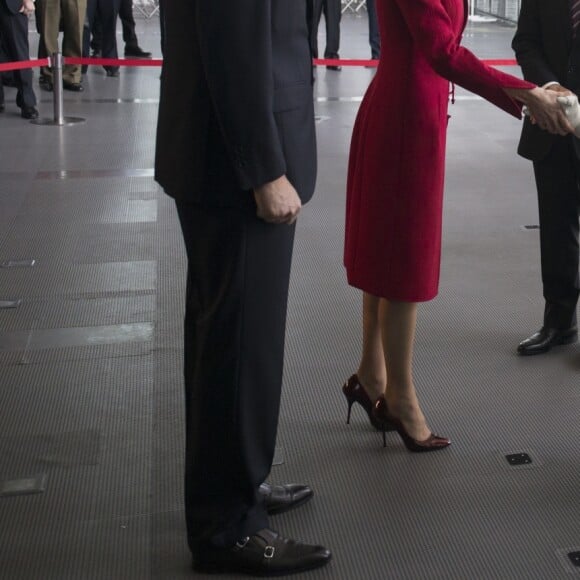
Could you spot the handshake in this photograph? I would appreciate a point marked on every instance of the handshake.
(556, 111)
(571, 108)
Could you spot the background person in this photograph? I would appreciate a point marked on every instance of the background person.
(332, 14)
(51, 14)
(14, 16)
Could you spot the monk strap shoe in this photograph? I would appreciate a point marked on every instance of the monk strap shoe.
(266, 553)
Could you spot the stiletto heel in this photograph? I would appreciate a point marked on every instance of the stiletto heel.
(432, 443)
(355, 393)
(350, 404)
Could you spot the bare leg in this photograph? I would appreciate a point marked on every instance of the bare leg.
(372, 372)
(398, 321)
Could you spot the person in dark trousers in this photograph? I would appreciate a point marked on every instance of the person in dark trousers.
(7, 77)
(374, 34)
(332, 14)
(105, 12)
(132, 48)
(162, 24)
(236, 149)
(547, 47)
(14, 34)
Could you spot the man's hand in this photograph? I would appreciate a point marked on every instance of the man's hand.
(27, 7)
(558, 88)
(277, 201)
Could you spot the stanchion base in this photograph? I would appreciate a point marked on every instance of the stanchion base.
(65, 121)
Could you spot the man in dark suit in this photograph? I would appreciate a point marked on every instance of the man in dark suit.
(236, 149)
(548, 50)
(332, 13)
(14, 33)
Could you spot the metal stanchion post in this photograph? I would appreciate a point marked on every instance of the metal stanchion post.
(59, 119)
(56, 62)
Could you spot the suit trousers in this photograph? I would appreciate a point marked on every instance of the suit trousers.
(374, 33)
(332, 14)
(557, 181)
(235, 319)
(128, 25)
(106, 12)
(73, 14)
(14, 34)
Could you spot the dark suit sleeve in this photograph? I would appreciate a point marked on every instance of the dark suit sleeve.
(236, 51)
(527, 44)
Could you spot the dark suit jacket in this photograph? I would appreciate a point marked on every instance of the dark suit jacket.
(13, 5)
(236, 107)
(15, 26)
(546, 52)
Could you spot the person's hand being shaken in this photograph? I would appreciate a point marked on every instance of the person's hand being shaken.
(278, 202)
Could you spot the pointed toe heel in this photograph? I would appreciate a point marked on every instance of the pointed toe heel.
(432, 443)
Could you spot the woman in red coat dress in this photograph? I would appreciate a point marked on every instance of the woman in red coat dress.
(395, 191)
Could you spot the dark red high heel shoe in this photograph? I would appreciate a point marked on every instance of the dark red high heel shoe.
(355, 393)
(432, 443)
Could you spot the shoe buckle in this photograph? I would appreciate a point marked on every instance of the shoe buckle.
(269, 552)
(242, 543)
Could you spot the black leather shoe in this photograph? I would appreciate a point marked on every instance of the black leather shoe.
(545, 339)
(112, 71)
(45, 83)
(333, 67)
(283, 498)
(137, 52)
(29, 113)
(75, 87)
(266, 553)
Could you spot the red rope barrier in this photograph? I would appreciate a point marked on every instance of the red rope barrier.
(21, 64)
(158, 62)
(374, 63)
(114, 61)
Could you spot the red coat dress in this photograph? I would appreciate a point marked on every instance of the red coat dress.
(397, 155)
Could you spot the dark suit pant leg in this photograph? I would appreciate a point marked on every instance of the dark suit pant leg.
(161, 25)
(14, 31)
(237, 287)
(106, 12)
(559, 205)
(332, 14)
(128, 23)
(374, 34)
(317, 6)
